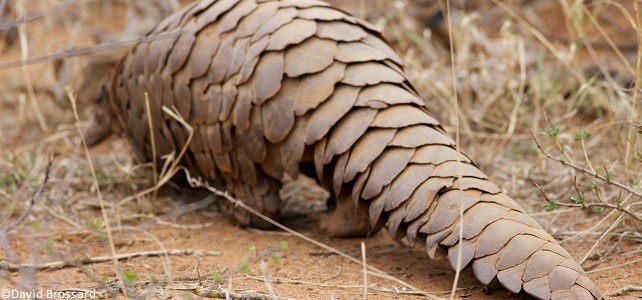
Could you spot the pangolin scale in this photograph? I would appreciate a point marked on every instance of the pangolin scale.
(271, 87)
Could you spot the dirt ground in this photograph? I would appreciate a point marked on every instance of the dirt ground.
(177, 243)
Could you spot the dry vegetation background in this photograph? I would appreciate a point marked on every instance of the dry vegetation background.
(546, 102)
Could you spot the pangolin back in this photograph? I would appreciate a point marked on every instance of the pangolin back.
(267, 85)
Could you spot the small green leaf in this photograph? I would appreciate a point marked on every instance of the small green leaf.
(48, 244)
(130, 277)
(579, 199)
(582, 135)
(276, 260)
(35, 225)
(593, 184)
(608, 175)
(284, 245)
(597, 209)
(551, 132)
(550, 205)
(95, 224)
(637, 156)
(245, 268)
(216, 276)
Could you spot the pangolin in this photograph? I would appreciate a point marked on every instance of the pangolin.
(275, 88)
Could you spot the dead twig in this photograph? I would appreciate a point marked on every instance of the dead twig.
(99, 259)
(618, 266)
(223, 293)
(36, 15)
(183, 226)
(625, 290)
(67, 53)
(372, 287)
(610, 181)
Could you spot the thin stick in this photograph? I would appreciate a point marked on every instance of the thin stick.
(153, 141)
(522, 86)
(586, 158)
(24, 54)
(99, 259)
(103, 210)
(34, 16)
(85, 50)
(615, 267)
(625, 290)
(354, 287)
(265, 270)
(457, 143)
(176, 115)
(602, 236)
(171, 166)
(365, 270)
(585, 171)
(638, 84)
(592, 205)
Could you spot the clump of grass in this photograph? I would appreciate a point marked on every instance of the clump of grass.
(273, 254)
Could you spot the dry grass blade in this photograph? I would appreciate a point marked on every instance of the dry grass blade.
(171, 165)
(364, 270)
(153, 142)
(268, 280)
(638, 84)
(106, 219)
(455, 100)
(22, 34)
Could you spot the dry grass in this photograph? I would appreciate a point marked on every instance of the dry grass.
(559, 137)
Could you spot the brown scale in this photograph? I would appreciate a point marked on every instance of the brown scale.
(268, 85)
